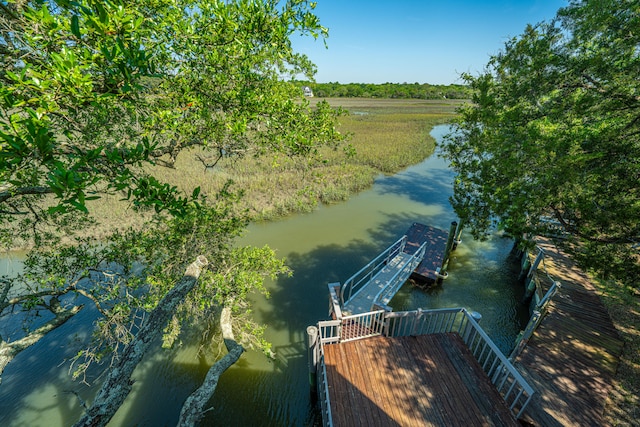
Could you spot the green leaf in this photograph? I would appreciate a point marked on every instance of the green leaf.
(75, 26)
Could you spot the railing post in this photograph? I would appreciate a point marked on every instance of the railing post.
(529, 283)
(387, 322)
(312, 353)
(476, 316)
(469, 327)
(523, 339)
(542, 305)
(416, 319)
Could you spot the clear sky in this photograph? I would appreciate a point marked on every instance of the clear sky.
(424, 41)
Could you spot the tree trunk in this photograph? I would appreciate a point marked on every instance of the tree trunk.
(194, 407)
(118, 383)
(9, 350)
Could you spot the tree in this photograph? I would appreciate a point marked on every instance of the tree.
(551, 142)
(93, 95)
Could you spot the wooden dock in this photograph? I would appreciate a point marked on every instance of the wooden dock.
(413, 368)
(429, 268)
(425, 380)
(573, 354)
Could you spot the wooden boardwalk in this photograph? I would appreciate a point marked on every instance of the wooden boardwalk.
(425, 380)
(573, 355)
(435, 252)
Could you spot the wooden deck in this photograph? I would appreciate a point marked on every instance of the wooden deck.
(573, 355)
(435, 253)
(426, 380)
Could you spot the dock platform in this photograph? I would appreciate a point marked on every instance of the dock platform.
(417, 234)
(413, 368)
(429, 380)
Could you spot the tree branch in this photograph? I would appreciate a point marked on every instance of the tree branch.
(206, 163)
(193, 408)
(23, 191)
(22, 298)
(118, 383)
(9, 350)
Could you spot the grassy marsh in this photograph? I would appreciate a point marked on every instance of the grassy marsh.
(387, 135)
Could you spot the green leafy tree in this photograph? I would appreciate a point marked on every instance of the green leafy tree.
(93, 95)
(551, 141)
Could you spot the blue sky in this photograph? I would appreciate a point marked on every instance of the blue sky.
(424, 41)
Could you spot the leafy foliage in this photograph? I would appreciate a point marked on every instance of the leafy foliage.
(93, 91)
(93, 95)
(551, 141)
(389, 90)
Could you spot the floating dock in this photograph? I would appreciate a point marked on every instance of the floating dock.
(430, 268)
(422, 253)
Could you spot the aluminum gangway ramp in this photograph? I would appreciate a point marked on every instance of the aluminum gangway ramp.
(376, 283)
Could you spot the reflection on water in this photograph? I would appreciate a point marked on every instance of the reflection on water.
(325, 246)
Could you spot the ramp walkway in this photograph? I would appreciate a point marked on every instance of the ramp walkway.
(377, 282)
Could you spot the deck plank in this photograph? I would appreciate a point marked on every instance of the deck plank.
(410, 381)
(387, 397)
(463, 406)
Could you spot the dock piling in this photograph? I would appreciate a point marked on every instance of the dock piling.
(449, 247)
(458, 235)
(312, 353)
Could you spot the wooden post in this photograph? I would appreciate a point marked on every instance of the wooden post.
(458, 236)
(447, 250)
(312, 353)
(524, 337)
(530, 283)
(335, 305)
(524, 265)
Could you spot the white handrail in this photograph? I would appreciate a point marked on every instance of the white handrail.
(513, 388)
(410, 265)
(371, 269)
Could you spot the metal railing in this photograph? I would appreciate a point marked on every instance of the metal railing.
(401, 276)
(364, 275)
(513, 388)
(323, 397)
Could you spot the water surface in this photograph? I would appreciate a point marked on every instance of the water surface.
(325, 246)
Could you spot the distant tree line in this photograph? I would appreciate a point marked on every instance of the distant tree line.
(389, 90)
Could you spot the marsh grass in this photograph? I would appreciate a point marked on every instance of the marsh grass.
(387, 136)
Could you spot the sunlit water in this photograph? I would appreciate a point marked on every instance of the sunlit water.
(325, 246)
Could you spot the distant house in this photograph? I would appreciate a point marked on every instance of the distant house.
(307, 91)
